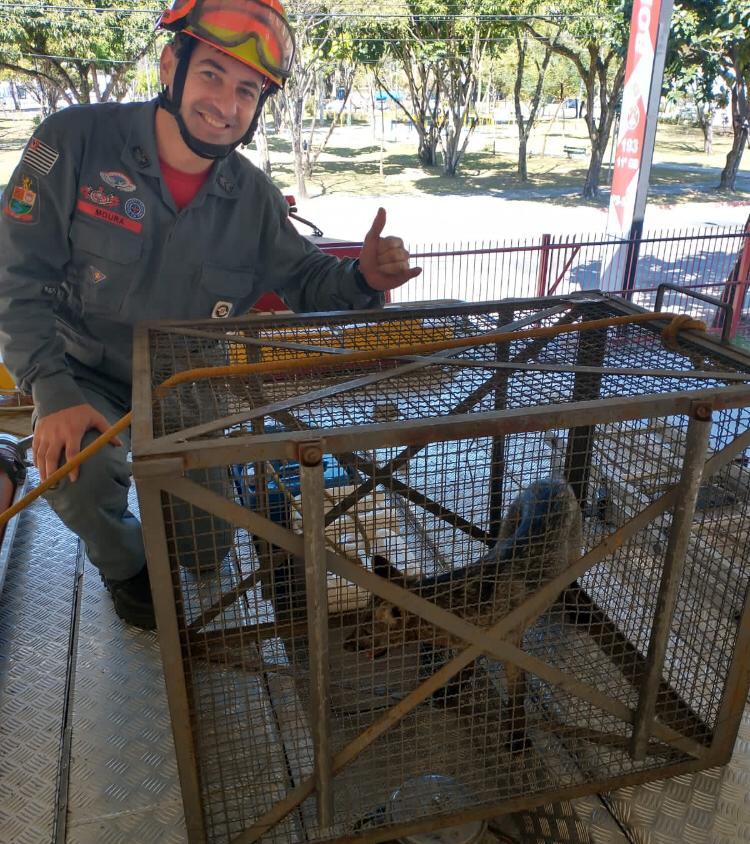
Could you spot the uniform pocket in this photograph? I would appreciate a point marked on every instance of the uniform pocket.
(224, 291)
(104, 257)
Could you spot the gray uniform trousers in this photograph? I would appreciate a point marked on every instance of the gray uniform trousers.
(95, 507)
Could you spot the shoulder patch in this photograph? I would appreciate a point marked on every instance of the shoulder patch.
(40, 156)
(22, 199)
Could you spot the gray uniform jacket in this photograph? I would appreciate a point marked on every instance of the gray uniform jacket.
(91, 243)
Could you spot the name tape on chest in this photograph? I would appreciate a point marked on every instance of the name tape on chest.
(107, 215)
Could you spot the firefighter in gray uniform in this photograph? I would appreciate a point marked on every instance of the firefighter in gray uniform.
(119, 213)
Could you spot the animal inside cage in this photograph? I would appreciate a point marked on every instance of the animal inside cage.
(416, 567)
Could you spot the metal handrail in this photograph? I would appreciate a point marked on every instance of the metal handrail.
(704, 297)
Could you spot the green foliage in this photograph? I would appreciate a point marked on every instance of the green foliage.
(711, 38)
(87, 49)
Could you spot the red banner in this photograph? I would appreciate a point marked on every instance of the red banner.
(629, 153)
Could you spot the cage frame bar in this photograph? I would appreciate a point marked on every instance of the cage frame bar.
(312, 486)
(686, 494)
(419, 433)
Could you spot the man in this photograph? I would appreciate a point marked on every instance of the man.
(121, 213)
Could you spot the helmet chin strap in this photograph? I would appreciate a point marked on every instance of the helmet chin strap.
(172, 103)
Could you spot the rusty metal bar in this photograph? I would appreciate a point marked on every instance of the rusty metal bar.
(733, 700)
(742, 280)
(497, 458)
(541, 280)
(575, 249)
(142, 427)
(699, 430)
(162, 589)
(591, 349)
(312, 486)
(463, 424)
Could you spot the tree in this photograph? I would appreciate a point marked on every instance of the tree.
(88, 50)
(714, 44)
(525, 124)
(440, 45)
(324, 41)
(596, 46)
(418, 60)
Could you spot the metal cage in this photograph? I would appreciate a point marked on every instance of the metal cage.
(426, 565)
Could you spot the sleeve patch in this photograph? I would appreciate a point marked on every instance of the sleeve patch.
(22, 199)
(40, 156)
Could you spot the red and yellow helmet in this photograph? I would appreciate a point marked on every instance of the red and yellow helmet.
(256, 32)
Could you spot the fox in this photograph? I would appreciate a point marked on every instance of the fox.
(539, 537)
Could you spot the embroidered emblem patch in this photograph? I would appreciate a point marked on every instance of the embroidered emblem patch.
(40, 156)
(22, 201)
(116, 179)
(100, 196)
(96, 275)
(221, 310)
(108, 216)
(135, 209)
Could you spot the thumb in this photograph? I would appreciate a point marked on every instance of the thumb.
(101, 423)
(378, 224)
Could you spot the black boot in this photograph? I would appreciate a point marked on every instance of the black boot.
(132, 599)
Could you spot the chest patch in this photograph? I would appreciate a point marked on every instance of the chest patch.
(117, 179)
(107, 215)
(134, 208)
(221, 310)
(99, 196)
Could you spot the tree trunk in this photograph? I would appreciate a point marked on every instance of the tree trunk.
(708, 136)
(299, 167)
(521, 45)
(593, 174)
(261, 144)
(523, 173)
(427, 148)
(14, 95)
(740, 118)
(734, 158)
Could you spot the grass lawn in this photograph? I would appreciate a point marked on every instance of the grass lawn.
(351, 163)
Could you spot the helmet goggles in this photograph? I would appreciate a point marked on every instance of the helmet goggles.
(250, 30)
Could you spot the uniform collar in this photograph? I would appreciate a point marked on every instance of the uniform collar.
(140, 154)
(224, 179)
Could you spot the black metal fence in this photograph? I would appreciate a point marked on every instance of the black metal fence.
(711, 261)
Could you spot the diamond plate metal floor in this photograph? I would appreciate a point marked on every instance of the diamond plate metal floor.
(35, 620)
(122, 784)
(123, 775)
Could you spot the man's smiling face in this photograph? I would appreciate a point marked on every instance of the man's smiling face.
(220, 94)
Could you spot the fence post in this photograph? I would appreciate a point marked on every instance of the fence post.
(542, 276)
(741, 283)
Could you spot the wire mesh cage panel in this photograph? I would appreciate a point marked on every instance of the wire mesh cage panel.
(416, 567)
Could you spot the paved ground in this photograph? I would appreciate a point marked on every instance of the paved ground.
(424, 220)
